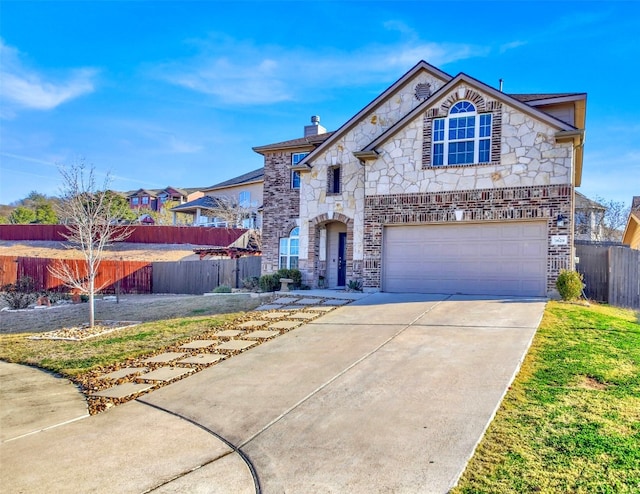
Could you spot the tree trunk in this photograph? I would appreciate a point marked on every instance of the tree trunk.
(91, 302)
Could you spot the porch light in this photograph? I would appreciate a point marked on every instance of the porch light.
(561, 220)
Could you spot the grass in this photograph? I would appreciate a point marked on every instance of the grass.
(571, 420)
(73, 359)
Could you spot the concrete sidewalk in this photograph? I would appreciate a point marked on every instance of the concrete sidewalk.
(390, 393)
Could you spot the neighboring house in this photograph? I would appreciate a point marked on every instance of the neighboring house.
(631, 236)
(588, 218)
(155, 199)
(243, 192)
(441, 184)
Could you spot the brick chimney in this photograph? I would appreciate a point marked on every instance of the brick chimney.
(315, 129)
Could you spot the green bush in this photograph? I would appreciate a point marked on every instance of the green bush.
(269, 282)
(222, 289)
(569, 284)
(354, 286)
(292, 274)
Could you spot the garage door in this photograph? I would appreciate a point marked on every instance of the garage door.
(489, 258)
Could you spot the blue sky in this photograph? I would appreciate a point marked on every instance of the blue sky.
(164, 93)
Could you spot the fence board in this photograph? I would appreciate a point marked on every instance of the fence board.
(8, 270)
(624, 286)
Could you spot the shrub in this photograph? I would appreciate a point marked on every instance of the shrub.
(569, 284)
(252, 283)
(292, 274)
(355, 286)
(222, 289)
(269, 282)
(20, 294)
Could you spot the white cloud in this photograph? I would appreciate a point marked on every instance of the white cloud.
(238, 72)
(25, 88)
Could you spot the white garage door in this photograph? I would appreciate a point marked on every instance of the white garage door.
(484, 259)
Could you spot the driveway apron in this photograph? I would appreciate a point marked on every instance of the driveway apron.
(389, 394)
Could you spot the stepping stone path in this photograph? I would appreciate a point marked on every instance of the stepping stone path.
(263, 334)
(270, 320)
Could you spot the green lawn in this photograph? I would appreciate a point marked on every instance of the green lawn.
(74, 358)
(571, 420)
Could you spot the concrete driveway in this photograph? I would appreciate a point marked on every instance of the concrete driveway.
(389, 394)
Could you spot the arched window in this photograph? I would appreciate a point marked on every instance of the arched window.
(462, 138)
(289, 249)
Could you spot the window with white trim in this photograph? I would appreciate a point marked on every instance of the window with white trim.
(295, 174)
(462, 138)
(297, 158)
(289, 250)
(295, 179)
(244, 198)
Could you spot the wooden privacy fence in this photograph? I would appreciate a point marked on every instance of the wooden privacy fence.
(198, 277)
(192, 277)
(611, 273)
(113, 276)
(219, 237)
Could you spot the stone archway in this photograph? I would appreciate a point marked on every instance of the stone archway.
(324, 254)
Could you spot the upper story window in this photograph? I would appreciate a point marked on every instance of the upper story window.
(244, 198)
(145, 199)
(134, 201)
(334, 180)
(462, 138)
(295, 179)
(297, 158)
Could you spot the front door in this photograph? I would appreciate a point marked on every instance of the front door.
(342, 259)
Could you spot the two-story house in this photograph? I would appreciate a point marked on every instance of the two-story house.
(243, 194)
(155, 199)
(588, 218)
(441, 184)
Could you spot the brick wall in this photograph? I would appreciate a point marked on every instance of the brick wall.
(281, 206)
(484, 205)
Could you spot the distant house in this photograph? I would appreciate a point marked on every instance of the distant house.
(631, 236)
(155, 199)
(244, 193)
(588, 218)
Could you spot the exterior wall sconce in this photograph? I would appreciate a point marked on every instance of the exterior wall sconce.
(459, 214)
(561, 221)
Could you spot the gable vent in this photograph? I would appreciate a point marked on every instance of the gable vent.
(423, 91)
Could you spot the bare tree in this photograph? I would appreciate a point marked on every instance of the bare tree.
(613, 220)
(236, 215)
(92, 224)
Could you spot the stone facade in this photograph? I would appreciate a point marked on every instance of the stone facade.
(529, 176)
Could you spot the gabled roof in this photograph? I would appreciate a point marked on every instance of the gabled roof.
(295, 143)
(247, 178)
(565, 130)
(444, 91)
(148, 192)
(583, 202)
(631, 235)
(182, 192)
(548, 99)
(420, 66)
(204, 202)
